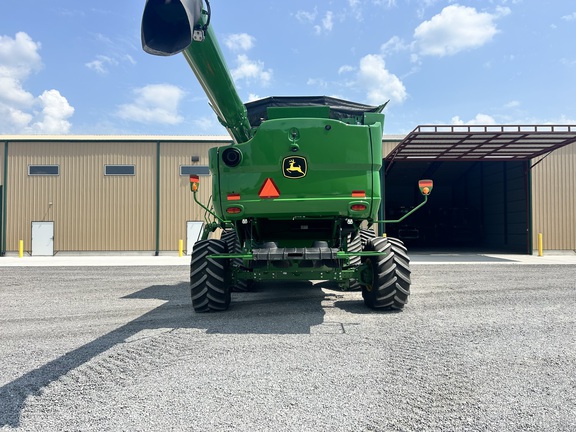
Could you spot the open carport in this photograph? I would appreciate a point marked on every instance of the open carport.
(482, 175)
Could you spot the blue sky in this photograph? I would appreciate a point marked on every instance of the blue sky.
(77, 67)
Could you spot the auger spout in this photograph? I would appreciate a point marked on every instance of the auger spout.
(173, 26)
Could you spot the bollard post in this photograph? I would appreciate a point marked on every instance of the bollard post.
(540, 250)
(180, 247)
(21, 249)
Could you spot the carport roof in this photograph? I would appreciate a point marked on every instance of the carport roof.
(481, 143)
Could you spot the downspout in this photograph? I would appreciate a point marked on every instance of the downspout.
(4, 201)
(157, 251)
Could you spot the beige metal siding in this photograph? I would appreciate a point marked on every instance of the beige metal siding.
(389, 145)
(91, 212)
(177, 204)
(554, 200)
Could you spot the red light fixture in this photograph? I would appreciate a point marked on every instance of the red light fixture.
(233, 210)
(233, 197)
(358, 207)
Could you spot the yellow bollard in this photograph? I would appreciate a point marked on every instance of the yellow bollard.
(540, 251)
(180, 247)
(21, 249)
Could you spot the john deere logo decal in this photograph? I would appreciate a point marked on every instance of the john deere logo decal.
(294, 167)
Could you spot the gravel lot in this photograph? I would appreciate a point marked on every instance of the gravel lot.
(478, 348)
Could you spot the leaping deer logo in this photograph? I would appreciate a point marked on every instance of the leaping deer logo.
(294, 167)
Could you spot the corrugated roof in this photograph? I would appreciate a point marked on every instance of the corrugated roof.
(481, 143)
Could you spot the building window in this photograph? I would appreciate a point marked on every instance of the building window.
(43, 170)
(128, 170)
(186, 170)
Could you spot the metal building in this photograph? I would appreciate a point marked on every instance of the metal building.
(93, 194)
(96, 194)
(496, 187)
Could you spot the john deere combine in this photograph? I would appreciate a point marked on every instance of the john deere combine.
(293, 191)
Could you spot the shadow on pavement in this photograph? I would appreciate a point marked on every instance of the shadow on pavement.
(288, 308)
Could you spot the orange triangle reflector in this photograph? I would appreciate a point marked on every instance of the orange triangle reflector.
(269, 190)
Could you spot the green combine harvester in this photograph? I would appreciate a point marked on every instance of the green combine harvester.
(297, 192)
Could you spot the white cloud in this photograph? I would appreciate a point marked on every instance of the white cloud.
(480, 119)
(239, 42)
(101, 63)
(345, 69)
(562, 120)
(387, 3)
(423, 6)
(570, 17)
(154, 103)
(326, 23)
(355, 9)
(379, 84)
(394, 44)
(317, 82)
(19, 56)
(456, 28)
(251, 70)
(253, 96)
(20, 110)
(18, 59)
(512, 104)
(12, 93)
(306, 17)
(115, 54)
(205, 123)
(53, 119)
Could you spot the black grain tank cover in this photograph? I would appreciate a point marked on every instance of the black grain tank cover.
(339, 108)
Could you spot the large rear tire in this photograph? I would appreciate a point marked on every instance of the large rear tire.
(389, 275)
(209, 286)
(231, 239)
(366, 235)
(356, 243)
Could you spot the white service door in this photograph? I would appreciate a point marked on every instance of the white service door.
(42, 238)
(193, 233)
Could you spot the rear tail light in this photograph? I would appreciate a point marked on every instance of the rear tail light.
(358, 207)
(233, 210)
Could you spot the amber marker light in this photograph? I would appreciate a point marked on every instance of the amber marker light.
(194, 180)
(359, 194)
(425, 186)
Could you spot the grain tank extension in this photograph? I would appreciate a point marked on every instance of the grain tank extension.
(298, 190)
